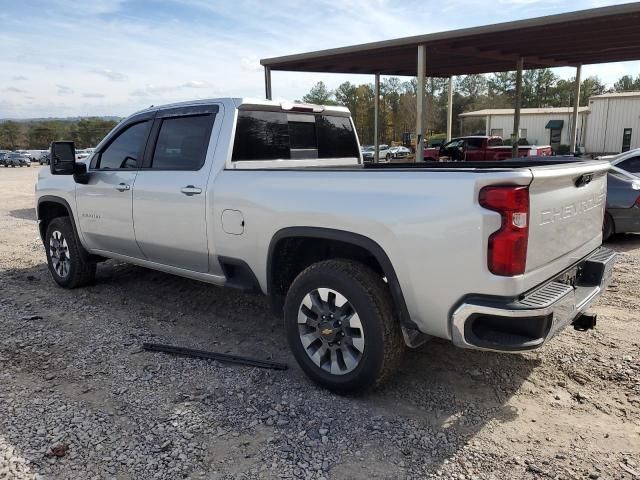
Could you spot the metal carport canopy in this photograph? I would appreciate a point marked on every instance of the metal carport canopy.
(599, 35)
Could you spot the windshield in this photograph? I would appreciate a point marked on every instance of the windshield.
(455, 143)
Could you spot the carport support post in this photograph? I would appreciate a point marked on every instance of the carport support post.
(267, 82)
(516, 114)
(450, 109)
(576, 104)
(422, 63)
(376, 110)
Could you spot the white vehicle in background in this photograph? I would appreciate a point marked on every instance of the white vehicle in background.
(26, 153)
(82, 154)
(398, 152)
(369, 153)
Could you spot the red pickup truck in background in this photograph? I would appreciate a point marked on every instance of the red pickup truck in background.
(481, 148)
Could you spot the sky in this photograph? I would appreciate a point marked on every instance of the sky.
(64, 58)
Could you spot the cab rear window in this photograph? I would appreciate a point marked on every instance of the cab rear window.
(263, 135)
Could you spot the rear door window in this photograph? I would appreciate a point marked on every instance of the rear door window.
(262, 135)
(182, 143)
(336, 138)
(474, 143)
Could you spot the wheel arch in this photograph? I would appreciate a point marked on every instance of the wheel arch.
(50, 207)
(318, 235)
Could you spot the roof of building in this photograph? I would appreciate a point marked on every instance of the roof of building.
(523, 111)
(598, 35)
(618, 94)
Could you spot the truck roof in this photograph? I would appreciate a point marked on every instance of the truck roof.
(262, 104)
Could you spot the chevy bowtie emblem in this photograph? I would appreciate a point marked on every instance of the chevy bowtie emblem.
(327, 331)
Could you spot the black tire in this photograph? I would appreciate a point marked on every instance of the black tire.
(79, 271)
(383, 343)
(608, 227)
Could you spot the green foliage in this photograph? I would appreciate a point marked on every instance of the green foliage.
(320, 95)
(10, 134)
(38, 135)
(627, 83)
(541, 88)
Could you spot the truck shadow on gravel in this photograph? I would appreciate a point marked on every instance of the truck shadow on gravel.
(430, 411)
(624, 242)
(24, 214)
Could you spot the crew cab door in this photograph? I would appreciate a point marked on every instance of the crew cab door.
(475, 149)
(169, 199)
(104, 204)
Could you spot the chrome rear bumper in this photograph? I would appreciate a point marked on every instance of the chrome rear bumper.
(526, 323)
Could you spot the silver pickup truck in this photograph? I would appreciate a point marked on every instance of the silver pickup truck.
(360, 260)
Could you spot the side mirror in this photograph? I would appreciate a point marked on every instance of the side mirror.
(63, 158)
(80, 174)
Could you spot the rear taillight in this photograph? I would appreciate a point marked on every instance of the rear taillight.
(507, 253)
(638, 202)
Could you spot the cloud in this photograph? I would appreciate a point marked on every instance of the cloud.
(194, 84)
(19, 78)
(111, 75)
(15, 90)
(156, 90)
(64, 90)
(93, 95)
(138, 53)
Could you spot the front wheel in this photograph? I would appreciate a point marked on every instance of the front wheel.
(67, 259)
(340, 326)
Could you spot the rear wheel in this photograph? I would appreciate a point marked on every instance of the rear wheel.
(67, 259)
(340, 326)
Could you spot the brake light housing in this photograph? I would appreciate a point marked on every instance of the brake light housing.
(507, 252)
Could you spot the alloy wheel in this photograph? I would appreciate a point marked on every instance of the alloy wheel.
(59, 253)
(330, 331)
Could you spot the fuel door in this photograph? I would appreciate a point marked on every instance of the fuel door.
(233, 222)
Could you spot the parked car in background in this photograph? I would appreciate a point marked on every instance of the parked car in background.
(479, 148)
(16, 160)
(3, 155)
(622, 211)
(398, 152)
(25, 153)
(45, 158)
(627, 161)
(623, 203)
(369, 153)
(84, 153)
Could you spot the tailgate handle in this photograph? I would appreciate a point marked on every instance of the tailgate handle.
(584, 180)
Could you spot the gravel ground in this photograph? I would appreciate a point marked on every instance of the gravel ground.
(78, 399)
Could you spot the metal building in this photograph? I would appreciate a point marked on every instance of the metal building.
(539, 126)
(610, 124)
(613, 123)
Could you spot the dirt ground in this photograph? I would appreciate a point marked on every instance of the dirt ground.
(78, 399)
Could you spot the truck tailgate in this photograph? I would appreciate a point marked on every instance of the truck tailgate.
(567, 204)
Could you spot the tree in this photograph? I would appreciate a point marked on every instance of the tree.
(10, 133)
(627, 83)
(89, 131)
(320, 95)
(347, 94)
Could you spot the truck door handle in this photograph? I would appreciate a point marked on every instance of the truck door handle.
(190, 190)
(122, 187)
